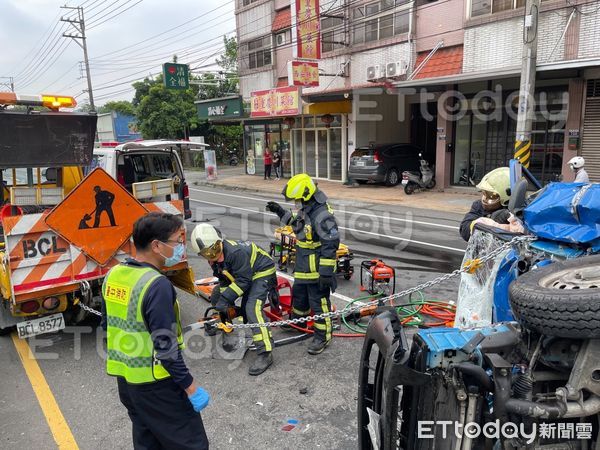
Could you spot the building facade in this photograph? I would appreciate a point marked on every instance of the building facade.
(442, 74)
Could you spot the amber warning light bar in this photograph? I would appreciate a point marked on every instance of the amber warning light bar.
(49, 101)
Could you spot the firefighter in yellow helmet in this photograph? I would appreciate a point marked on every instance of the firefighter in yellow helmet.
(495, 194)
(317, 241)
(244, 270)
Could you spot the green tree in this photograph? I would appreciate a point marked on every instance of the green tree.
(119, 106)
(165, 113)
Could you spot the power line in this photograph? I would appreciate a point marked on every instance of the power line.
(203, 15)
(96, 24)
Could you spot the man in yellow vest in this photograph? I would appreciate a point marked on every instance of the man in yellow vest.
(144, 341)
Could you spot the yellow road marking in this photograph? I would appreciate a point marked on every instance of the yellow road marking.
(56, 421)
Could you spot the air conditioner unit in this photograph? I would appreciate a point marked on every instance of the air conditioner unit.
(280, 39)
(396, 69)
(374, 72)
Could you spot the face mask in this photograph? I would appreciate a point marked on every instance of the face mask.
(178, 252)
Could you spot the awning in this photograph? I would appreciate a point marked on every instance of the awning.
(283, 20)
(444, 62)
(339, 107)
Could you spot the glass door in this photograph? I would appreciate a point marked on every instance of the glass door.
(297, 150)
(310, 139)
(322, 154)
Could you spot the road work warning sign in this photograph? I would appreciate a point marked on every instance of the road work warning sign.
(97, 216)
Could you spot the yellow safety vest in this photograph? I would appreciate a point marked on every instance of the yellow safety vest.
(130, 348)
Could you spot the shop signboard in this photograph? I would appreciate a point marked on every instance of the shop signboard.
(220, 108)
(303, 73)
(306, 22)
(176, 76)
(283, 101)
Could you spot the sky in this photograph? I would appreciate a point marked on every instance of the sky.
(43, 62)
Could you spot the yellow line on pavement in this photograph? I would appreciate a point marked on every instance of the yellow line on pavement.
(56, 421)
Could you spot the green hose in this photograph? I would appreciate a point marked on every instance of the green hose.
(409, 313)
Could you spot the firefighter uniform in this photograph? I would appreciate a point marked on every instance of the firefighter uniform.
(247, 271)
(317, 242)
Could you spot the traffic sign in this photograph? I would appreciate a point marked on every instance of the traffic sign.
(176, 76)
(97, 216)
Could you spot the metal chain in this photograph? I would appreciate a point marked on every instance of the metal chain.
(88, 309)
(406, 292)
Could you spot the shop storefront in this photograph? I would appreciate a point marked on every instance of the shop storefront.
(274, 134)
(318, 146)
(484, 136)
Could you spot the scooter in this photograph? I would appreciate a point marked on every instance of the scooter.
(422, 180)
(233, 159)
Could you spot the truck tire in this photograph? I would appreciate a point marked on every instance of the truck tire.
(560, 299)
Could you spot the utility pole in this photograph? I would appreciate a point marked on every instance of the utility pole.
(79, 25)
(10, 84)
(527, 89)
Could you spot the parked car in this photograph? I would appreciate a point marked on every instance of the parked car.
(139, 161)
(383, 163)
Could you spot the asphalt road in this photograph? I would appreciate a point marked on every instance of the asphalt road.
(80, 402)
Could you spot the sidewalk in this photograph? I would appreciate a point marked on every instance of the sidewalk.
(456, 200)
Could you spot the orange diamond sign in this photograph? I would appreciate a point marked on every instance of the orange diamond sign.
(97, 216)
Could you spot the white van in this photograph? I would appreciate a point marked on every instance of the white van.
(142, 161)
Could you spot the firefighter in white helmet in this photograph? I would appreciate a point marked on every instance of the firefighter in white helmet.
(491, 209)
(244, 270)
(576, 165)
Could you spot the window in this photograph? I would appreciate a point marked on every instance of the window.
(248, 2)
(256, 53)
(482, 7)
(332, 33)
(378, 20)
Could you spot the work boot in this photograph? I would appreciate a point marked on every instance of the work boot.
(261, 363)
(317, 346)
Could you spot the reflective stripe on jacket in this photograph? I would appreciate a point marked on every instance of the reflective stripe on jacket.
(243, 263)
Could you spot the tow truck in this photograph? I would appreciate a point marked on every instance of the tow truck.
(58, 234)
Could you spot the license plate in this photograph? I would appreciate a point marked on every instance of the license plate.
(46, 324)
(360, 163)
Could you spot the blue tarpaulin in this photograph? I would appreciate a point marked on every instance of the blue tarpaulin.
(566, 212)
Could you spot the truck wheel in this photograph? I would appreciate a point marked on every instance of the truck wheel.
(560, 299)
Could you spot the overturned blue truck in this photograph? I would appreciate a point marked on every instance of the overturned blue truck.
(521, 368)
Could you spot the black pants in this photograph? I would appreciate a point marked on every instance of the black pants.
(253, 303)
(267, 171)
(162, 417)
(307, 297)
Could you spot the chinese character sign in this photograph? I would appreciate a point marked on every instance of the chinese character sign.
(176, 76)
(306, 28)
(303, 73)
(275, 102)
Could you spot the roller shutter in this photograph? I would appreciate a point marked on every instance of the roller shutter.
(590, 147)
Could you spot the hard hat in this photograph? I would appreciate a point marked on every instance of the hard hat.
(300, 187)
(497, 182)
(577, 162)
(207, 241)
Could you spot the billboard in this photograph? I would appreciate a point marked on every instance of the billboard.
(306, 29)
(283, 101)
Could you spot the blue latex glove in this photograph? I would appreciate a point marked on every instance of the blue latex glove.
(199, 399)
